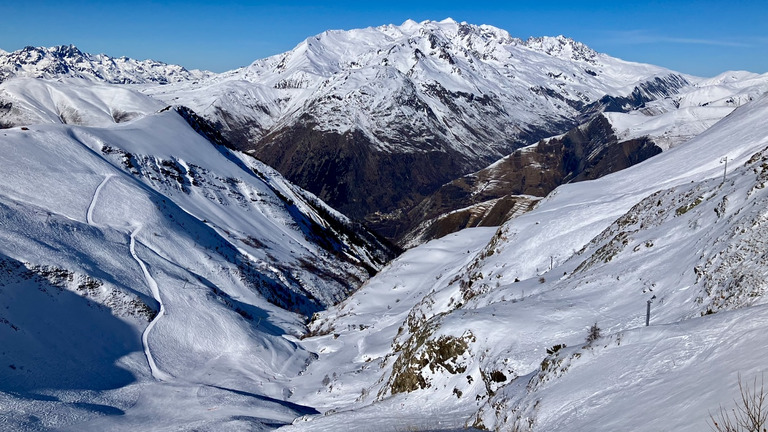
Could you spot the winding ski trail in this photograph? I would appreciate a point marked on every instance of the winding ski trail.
(94, 198)
(157, 373)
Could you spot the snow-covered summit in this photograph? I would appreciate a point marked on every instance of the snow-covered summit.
(563, 47)
(356, 71)
(451, 42)
(69, 61)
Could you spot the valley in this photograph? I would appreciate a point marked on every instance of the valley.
(431, 226)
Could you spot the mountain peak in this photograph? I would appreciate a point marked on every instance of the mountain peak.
(66, 50)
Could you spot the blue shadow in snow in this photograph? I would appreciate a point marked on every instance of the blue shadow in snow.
(53, 339)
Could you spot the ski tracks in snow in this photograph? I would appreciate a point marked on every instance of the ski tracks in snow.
(92, 205)
(157, 373)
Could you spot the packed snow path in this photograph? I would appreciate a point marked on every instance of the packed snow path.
(156, 372)
(89, 214)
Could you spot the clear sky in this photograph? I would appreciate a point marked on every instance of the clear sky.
(697, 37)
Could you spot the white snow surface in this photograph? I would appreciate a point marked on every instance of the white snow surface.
(591, 253)
(72, 101)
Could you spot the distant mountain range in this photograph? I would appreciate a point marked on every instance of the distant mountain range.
(68, 61)
(376, 121)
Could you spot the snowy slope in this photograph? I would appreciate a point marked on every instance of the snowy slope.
(26, 101)
(500, 336)
(68, 61)
(149, 272)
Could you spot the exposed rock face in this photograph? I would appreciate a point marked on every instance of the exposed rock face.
(490, 213)
(335, 234)
(657, 88)
(360, 181)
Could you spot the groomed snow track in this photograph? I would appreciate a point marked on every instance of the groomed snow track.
(156, 372)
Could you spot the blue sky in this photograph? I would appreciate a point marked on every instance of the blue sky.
(698, 37)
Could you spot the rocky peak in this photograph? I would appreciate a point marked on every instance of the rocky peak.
(66, 51)
(562, 47)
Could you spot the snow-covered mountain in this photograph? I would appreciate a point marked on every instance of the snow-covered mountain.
(25, 101)
(68, 61)
(149, 270)
(491, 327)
(373, 120)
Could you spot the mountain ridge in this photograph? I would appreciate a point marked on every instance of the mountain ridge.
(68, 61)
(138, 241)
(375, 120)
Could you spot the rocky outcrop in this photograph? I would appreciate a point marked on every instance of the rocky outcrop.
(350, 174)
